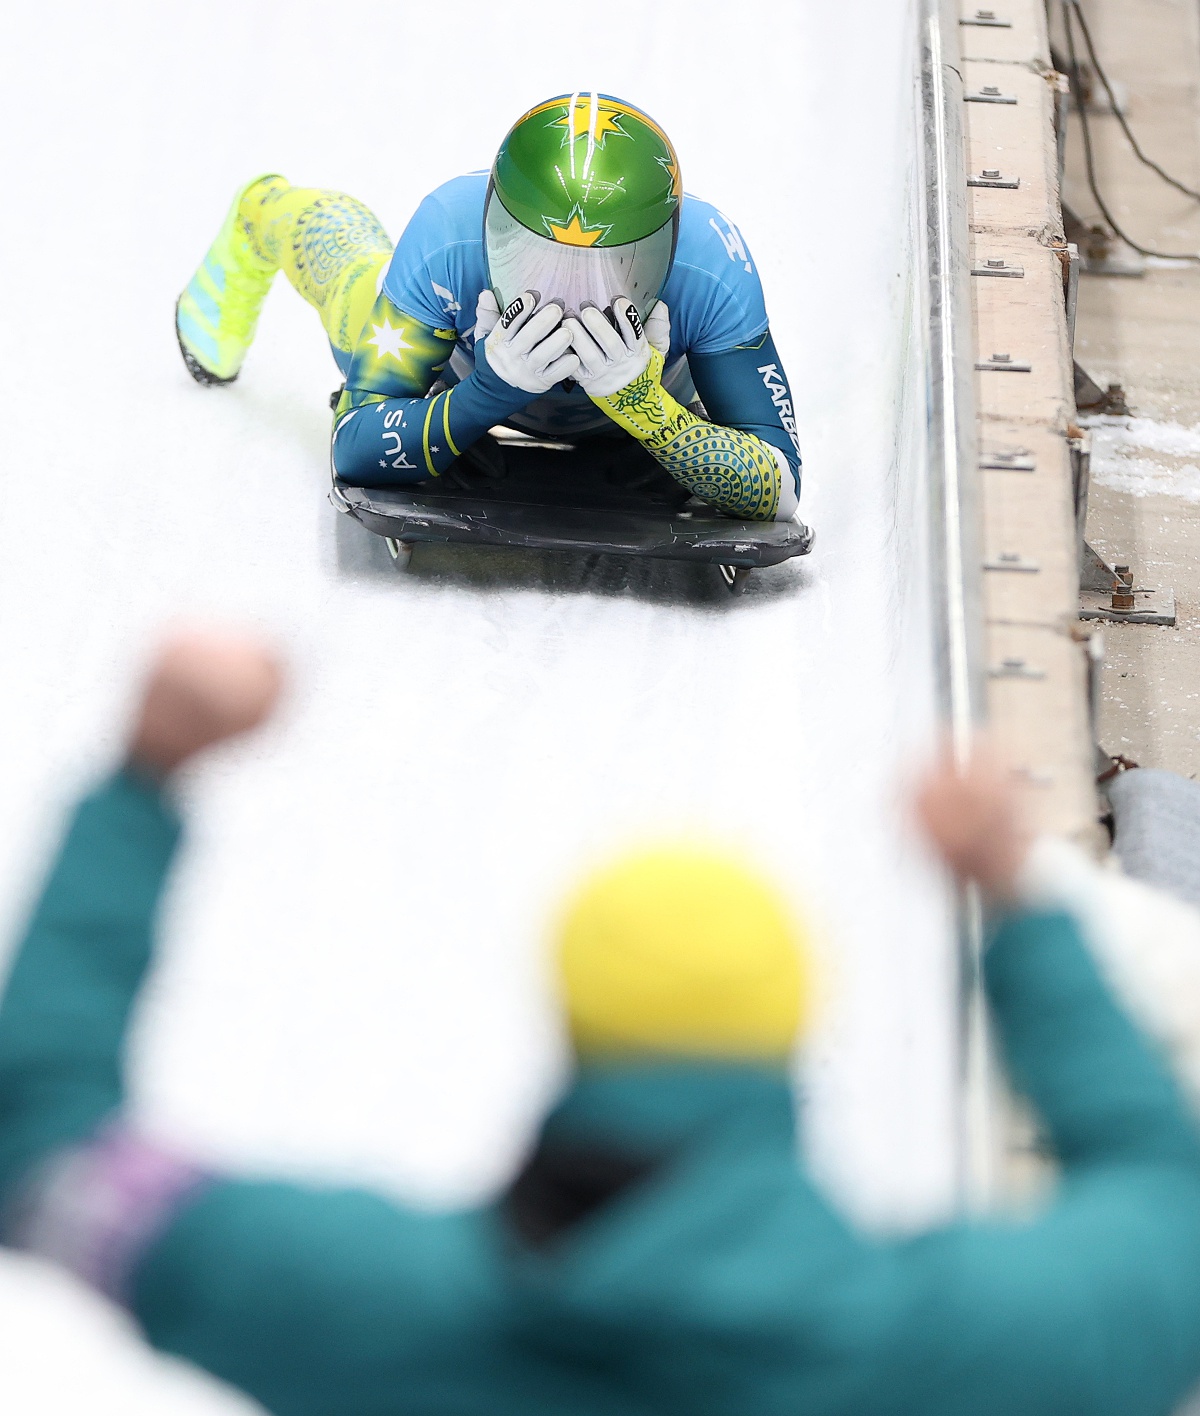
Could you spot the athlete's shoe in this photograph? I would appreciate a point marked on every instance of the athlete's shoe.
(216, 315)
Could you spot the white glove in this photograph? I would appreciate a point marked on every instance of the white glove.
(614, 348)
(658, 328)
(526, 346)
(487, 315)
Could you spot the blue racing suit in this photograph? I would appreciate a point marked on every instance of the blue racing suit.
(420, 337)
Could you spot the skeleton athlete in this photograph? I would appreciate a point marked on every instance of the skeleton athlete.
(571, 292)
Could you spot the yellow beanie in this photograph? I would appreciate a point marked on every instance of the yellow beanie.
(679, 950)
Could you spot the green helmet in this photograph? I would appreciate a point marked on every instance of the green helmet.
(583, 204)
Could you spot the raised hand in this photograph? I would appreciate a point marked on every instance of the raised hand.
(204, 686)
(972, 815)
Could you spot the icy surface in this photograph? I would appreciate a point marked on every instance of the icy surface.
(1145, 457)
(351, 981)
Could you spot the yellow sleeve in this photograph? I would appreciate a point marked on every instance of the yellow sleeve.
(733, 471)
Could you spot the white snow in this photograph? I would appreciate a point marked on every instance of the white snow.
(1120, 459)
(351, 980)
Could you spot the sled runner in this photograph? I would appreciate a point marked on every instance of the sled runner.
(604, 495)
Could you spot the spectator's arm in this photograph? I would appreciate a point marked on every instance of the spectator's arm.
(1093, 1306)
(77, 972)
(310, 1299)
(1101, 1090)
(88, 944)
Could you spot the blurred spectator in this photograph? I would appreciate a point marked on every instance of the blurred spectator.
(660, 1249)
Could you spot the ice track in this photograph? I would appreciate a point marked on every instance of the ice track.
(351, 983)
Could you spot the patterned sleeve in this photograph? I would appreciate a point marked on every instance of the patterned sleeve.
(411, 331)
(96, 1208)
(747, 388)
(397, 356)
(737, 472)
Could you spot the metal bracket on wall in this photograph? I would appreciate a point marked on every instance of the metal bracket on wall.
(1007, 459)
(1015, 669)
(1069, 255)
(1091, 398)
(989, 93)
(997, 265)
(1012, 560)
(1003, 364)
(1107, 592)
(1079, 447)
(1100, 253)
(1095, 573)
(993, 177)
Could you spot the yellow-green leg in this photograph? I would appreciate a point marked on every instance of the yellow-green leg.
(330, 246)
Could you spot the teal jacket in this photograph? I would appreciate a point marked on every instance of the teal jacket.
(661, 1251)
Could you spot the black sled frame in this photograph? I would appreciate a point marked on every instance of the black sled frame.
(603, 495)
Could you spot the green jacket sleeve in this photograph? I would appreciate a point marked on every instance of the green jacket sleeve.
(77, 972)
(1093, 1305)
(288, 1291)
(1101, 1090)
(318, 1300)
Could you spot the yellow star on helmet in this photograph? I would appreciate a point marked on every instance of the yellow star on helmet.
(573, 233)
(578, 120)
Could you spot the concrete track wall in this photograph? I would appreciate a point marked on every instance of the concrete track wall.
(1029, 678)
(1037, 693)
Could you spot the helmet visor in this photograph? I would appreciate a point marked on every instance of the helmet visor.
(519, 259)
